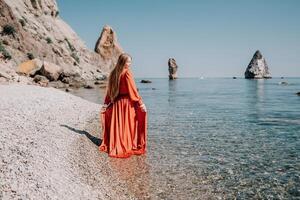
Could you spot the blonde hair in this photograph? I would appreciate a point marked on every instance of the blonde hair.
(114, 76)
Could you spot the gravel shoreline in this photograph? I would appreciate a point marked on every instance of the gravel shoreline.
(49, 147)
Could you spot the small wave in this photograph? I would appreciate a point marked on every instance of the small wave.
(281, 120)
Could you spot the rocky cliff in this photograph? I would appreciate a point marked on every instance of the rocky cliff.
(36, 41)
(257, 67)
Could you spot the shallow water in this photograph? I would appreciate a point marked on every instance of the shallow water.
(216, 138)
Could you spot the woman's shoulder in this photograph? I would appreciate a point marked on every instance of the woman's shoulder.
(126, 72)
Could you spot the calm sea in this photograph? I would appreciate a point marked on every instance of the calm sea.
(219, 138)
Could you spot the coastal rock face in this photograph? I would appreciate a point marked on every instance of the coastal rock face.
(257, 68)
(172, 68)
(107, 46)
(33, 29)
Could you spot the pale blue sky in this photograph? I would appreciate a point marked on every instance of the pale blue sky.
(211, 38)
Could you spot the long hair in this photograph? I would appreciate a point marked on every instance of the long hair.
(114, 76)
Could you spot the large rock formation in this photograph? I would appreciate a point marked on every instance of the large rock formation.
(172, 68)
(33, 29)
(257, 67)
(107, 46)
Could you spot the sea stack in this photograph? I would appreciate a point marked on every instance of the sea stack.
(107, 46)
(172, 68)
(257, 68)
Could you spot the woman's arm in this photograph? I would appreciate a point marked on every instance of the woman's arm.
(133, 93)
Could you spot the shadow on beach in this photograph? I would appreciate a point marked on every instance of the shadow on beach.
(95, 140)
(133, 173)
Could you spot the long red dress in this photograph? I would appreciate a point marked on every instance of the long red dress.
(124, 124)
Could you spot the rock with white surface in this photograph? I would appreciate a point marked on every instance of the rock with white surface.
(257, 68)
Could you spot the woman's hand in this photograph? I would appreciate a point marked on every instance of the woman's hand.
(143, 107)
(103, 108)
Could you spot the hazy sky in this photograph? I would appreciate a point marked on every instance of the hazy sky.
(211, 38)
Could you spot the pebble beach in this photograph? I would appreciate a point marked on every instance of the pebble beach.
(49, 147)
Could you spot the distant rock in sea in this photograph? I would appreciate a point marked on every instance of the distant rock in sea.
(283, 83)
(298, 93)
(257, 68)
(172, 68)
(146, 81)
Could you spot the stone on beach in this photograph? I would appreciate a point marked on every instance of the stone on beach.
(30, 67)
(88, 86)
(4, 74)
(36, 66)
(51, 71)
(42, 80)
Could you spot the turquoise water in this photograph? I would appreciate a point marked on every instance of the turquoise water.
(220, 138)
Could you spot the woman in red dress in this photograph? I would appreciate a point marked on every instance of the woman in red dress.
(123, 115)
